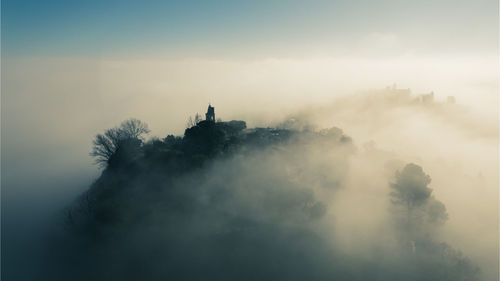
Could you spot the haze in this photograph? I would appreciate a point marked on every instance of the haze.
(72, 70)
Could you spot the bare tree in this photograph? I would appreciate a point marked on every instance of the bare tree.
(105, 145)
(193, 121)
(190, 123)
(134, 128)
(197, 118)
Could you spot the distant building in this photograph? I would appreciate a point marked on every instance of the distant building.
(210, 115)
(426, 98)
(394, 89)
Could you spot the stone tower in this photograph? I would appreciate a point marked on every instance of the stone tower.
(210, 115)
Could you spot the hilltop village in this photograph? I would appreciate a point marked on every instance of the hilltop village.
(406, 96)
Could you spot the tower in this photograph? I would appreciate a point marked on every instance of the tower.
(210, 115)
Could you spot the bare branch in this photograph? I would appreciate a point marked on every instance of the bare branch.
(105, 145)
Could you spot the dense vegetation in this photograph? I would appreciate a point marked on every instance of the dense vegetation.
(130, 163)
(224, 202)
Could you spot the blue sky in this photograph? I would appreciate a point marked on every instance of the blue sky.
(238, 28)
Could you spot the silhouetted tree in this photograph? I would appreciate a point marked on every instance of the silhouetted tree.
(128, 134)
(205, 139)
(417, 210)
(410, 188)
(197, 118)
(133, 129)
(190, 122)
(193, 121)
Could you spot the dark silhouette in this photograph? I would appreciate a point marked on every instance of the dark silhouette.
(210, 115)
(417, 214)
(225, 202)
(116, 143)
(411, 194)
(208, 231)
(193, 121)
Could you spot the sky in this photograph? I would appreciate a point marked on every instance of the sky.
(246, 29)
(73, 68)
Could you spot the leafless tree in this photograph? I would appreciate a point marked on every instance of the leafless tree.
(190, 123)
(197, 118)
(193, 121)
(105, 145)
(133, 128)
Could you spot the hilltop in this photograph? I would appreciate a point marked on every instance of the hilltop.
(157, 164)
(227, 202)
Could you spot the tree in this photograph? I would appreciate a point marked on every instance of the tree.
(197, 119)
(193, 121)
(417, 209)
(410, 188)
(134, 129)
(129, 133)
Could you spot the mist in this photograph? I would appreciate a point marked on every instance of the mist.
(49, 123)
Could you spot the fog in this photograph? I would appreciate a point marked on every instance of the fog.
(52, 108)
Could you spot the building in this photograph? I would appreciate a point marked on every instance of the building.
(210, 115)
(395, 90)
(426, 98)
